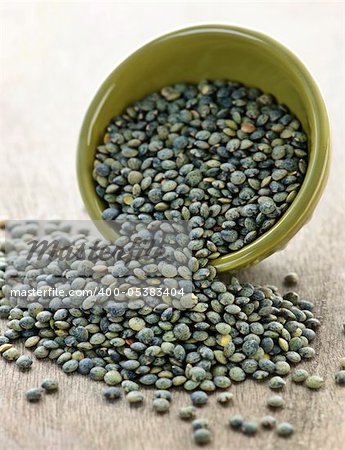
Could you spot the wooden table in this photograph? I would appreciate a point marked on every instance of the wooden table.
(53, 57)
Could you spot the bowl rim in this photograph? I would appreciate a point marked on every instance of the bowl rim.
(298, 213)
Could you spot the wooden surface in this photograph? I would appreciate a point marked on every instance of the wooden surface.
(53, 57)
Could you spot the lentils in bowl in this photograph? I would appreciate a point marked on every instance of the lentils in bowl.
(227, 157)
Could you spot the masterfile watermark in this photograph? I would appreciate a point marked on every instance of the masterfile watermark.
(69, 264)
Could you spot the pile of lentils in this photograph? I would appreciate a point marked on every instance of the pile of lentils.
(229, 158)
(225, 334)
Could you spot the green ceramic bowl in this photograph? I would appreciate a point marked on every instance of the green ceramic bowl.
(217, 52)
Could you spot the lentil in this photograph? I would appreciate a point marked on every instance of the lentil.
(249, 428)
(202, 436)
(50, 385)
(187, 412)
(236, 421)
(111, 393)
(163, 394)
(291, 279)
(340, 377)
(276, 383)
(284, 429)
(299, 375)
(275, 401)
(199, 398)
(112, 378)
(203, 172)
(33, 395)
(224, 397)
(134, 397)
(268, 422)
(24, 362)
(12, 354)
(161, 405)
(314, 382)
(220, 333)
(198, 424)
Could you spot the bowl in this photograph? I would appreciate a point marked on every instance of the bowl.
(216, 52)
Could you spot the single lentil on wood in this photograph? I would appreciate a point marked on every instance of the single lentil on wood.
(248, 332)
(50, 385)
(340, 377)
(230, 332)
(231, 160)
(314, 382)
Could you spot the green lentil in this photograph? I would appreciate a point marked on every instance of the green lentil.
(70, 366)
(202, 436)
(112, 378)
(276, 383)
(161, 405)
(136, 323)
(225, 397)
(163, 394)
(41, 352)
(12, 354)
(314, 382)
(163, 383)
(230, 333)
(299, 375)
(307, 352)
(340, 377)
(237, 374)
(282, 368)
(275, 401)
(197, 374)
(32, 341)
(111, 393)
(199, 398)
(5, 347)
(50, 385)
(249, 428)
(24, 362)
(33, 395)
(268, 422)
(236, 421)
(187, 412)
(222, 382)
(128, 386)
(238, 184)
(134, 397)
(223, 328)
(96, 373)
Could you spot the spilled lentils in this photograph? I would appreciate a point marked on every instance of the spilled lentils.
(34, 395)
(227, 334)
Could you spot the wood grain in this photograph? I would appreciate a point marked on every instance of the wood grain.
(53, 56)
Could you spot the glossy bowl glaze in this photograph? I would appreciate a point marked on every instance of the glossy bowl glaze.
(216, 52)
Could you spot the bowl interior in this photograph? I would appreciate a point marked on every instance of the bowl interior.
(216, 52)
